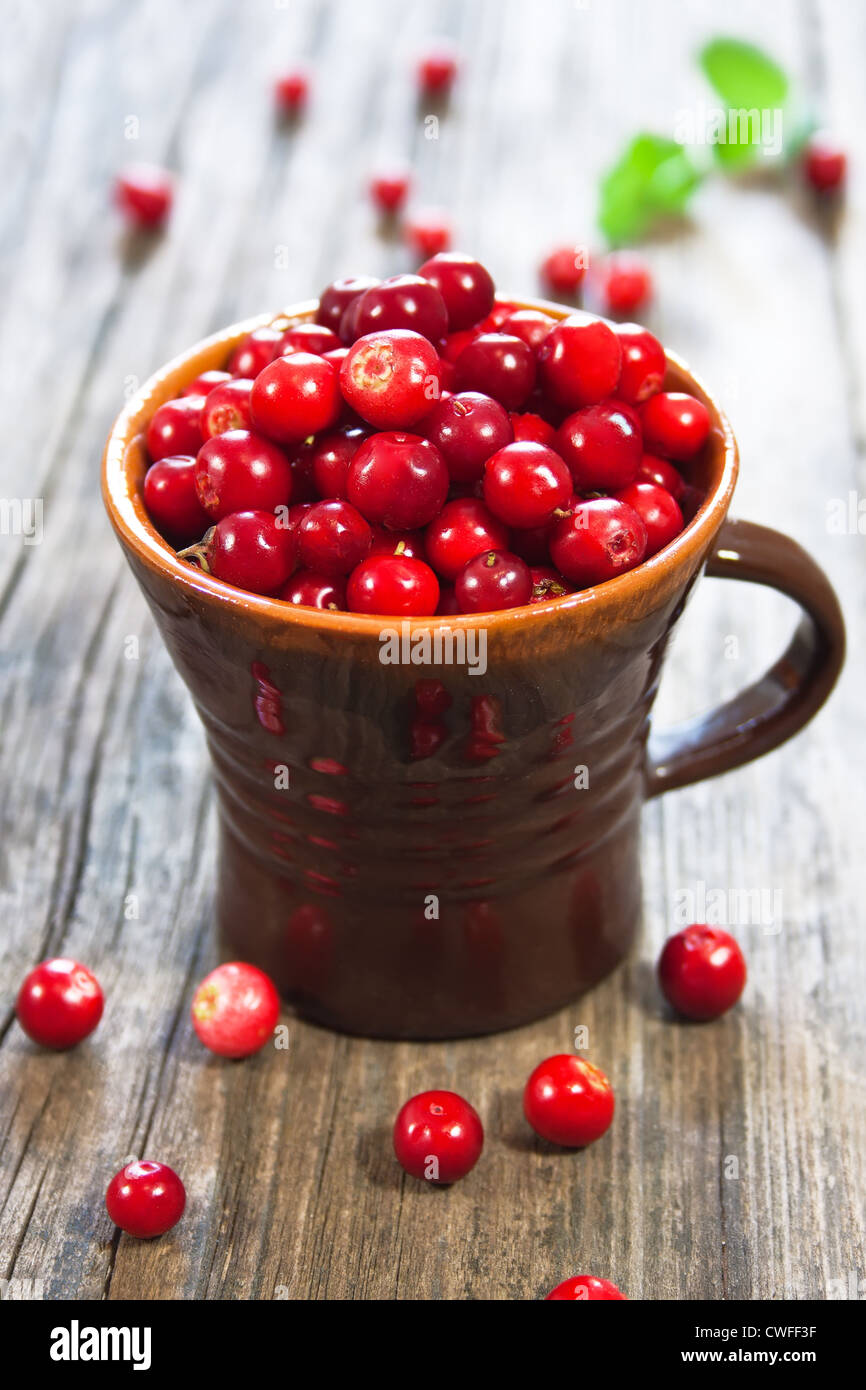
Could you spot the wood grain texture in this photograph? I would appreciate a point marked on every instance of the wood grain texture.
(106, 804)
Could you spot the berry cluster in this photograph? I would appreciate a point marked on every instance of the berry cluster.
(423, 448)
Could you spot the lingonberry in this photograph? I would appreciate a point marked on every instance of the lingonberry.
(461, 531)
(399, 480)
(497, 365)
(59, 1003)
(393, 585)
(563, 271)
(658, 511)
(410, 544)
(175, 428)
(251, 550)
(301, 465)
(295, 397)
(227, 407)
(391, 378)
(437, 69)
(438, 1136)
(331, 456)
(626, 282)
(824, 162)
(292, 91)
(465, 285)
(467, 429)
(403, 301)
(568, 1101)
(599, 540)
(643, 363)
(389, 189)
(145, 1199)
(241, 471)
(531, 429)
(456, 342)
(530, 325)
(428, 232)
(235, 1010)
(533, 545)
(655, 470)
(526, 484)
(172, 501)
(144, 194)
(547, 583)
(674, 424)
(333, 538)
(579, 362)
(702, 972)
(254, 353)
(493, 580)
(307, 337)
(336, 298)
(602, 446)
(447, 378)
(584, 1288)
(204, 383)
(336, 357)
(311, 590)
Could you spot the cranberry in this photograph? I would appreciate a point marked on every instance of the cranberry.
(59, 1003)
(467, 429)
(390, 378)
(403, 301)
(398, 480)
(465, 285)
(336, 357)
(568, 1101)
(447, 607)
(175, 428)
(531, 326)
(602, 446)
(227, 407)
(447, 379)
(657, 510)
(702, 972)
(295, 397)
(456, 342)
(547, 583)
(145, 1199)
(312, 590)
(461, 531)
(428, 232)
(410, 544)
(333, 538)
(531, 429)
(251, 550)
(526, 484)
(331, 456)
(493, 580)
(292, 91)
(438, 1136)
(254, 353)
(393, 585)
(562, 272)
(643, 363)
(307, 337)
(172, 501)
(204, 383)
(584, 1288)
(824, 162)
(301, 465)
(389, 189)
(674, 424)
(599, 540)
(235, 1010)
(533, 545)
(497, 365)
(579, 362)
(144, 194)
(337, 297)
(626, 282)
(437, 69)
(662, 473)
(240, 471)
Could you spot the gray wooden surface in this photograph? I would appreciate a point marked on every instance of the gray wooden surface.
(735, 1164)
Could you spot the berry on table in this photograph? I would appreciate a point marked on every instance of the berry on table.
(311, 590)
(643, 363)
(402, 301)
(462, 530)
(824, 162)
(336, 298)
(333, 538)
(251, 550)
(674, 424)
(428, 232)
(580, 362)
(497, 365)
(702, 972)
(626, 283)
(584, 1288)
(391, 378)
(235, 1010)
(493, 580)
(172, 501)
(59, 1003)
(568, 1101)
(438, 1136)
(144, 193)
(602, 446)
(399, 480)
(437, 69)
(389, 189)
(145, 1199)
(525, 485)
(563, 270)
(241, 471)
(294, 397)
(465, 285)
(467, 429)
(658, 511)
(227, 407)
(292, 91)
(393, 585)
(175, 428)
(600, 539)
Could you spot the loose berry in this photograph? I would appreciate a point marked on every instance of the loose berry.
(295, 397)
(389, 189)
(531, 326)
(175, 428)
(568, 1101)
(403, 301)
(467, 429)
(145, 1199)
(579, 362)
(626, 282)
(227, 407)
(399, 480)
(332, 454)
(462, 530)
(307, 337)
(333, 538)
(172, 501)
(438, 1136)
(256, 350)
(292, 91)
(235, 1010)
(657, 510)
(497, 365)
(599, 540)
(655, 470)
(563, 271)
(702, 972)
(241, 471)
(144, 194)
(437, 69)
(59, 1003)
(526, 484)
(643, 363)
(584, 1288)
(824, 162)
(465, 285)
(674, 424)
(531, 429)
(391, 378)
(311, 590)
(336, 298)
(204, 383)
(428, 232)
(493, 580)
(602, 446)
(392, 585)
(250, 549)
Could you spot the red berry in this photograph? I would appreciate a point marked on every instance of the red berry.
(626, 282)
(493, 580)
(599, 540)
(467, 429)
(389, 189)
(331, 456)
(533, 545)
(392, 585)
(584, 1288)
(547, 583)
(59, 1003)
(702, 972)
(312, 590)
(333, 538)
(456, 342)
(428, 232)
(391, 378)
(144, 194)
(437, 69)
(568, 1101)
(525, 484)
(175, 428)
(657, 510)
(227, 407)
(291, 91)
(145, 1199)
(531, 429)
(241, 471)
(461, 531)
(399, 480)
(562, 272)
(295, 397)
(410, 544)
(643, 363)
(336, 298)
(438, 1136)
(172, 501)
(497, 365)
(465, 285)
(235, 1010)
(531, 326)
(674, 424)
(255, 351)
(307, 337)
(251, 550)
(602, 446)
(579, 362)
(824, 162)
(403, 301)
(204, 383)
(662, 473)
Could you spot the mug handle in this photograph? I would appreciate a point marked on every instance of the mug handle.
(777, 706)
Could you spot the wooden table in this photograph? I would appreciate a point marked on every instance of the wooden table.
(735, 1165)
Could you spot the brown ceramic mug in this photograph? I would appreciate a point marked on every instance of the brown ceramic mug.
(457, 850)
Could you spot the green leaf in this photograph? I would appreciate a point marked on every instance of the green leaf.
(653, 178)
(743, 75)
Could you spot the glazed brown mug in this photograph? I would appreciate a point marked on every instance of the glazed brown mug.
(417, 850)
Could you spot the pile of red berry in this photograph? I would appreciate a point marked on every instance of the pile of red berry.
(423, 447)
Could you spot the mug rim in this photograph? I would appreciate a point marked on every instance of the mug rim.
(124, 502)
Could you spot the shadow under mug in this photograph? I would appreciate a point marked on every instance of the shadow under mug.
(416, 850)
